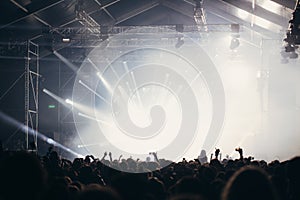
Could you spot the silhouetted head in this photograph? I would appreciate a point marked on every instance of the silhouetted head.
(156, 188)
(191, 186)
(249, 183)
(22, 177)
(130, 186)
(97, 192)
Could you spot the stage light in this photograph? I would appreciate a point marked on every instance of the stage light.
(293, 55)
(293, 34)
(50, 141)
(235, 43)
(179, 43)
(54, 96)
(200, 16)
(66, 61)
(93, 91)
(66, 40)
(68, 101)
(31, 131)
(105, 83)
(290, 48)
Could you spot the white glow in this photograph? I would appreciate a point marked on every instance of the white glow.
(50, 141)
(66, 40)
(93, 118)
(105, 83)
(140, 116)
(68, 101)
(247, 124)
(139, 100)
(33, 132)
(273, 6)
(93, 91)
(259, 21)
(54, 96)
(66, 61)
(243, 14)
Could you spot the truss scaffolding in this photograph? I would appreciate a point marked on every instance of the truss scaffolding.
(31, 96)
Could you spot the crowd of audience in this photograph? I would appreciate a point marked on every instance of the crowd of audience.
(27, 176)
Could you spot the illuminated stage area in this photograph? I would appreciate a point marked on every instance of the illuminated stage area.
(139, 98)
(200, 76)
(148, 98)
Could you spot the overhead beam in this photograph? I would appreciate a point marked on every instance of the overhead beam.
(249, 19)
(181, 9)
(258, 11)
(104, 6)
(31, 13)
(105, 10)
(286, 3)
(26, 11)
(137, 11)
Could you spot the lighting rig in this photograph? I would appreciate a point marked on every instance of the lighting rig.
(292, 39)
(199, 15)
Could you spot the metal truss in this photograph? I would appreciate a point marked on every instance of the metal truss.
(113, 30)
(141, 35)
(31, 95)
(85, 19)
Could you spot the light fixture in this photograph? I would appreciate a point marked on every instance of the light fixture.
(293, 34)
(235, 43)
(199, 15)
(68, 101)
(293, 55)
(180, 39)
(180, 42)
(290, 48)
(66, 39)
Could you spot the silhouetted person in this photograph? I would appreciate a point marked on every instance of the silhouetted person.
(190, 186)
(202, 157)
(156, 188)
(293, 174)
(97, 192)
(21, 177)
(131, 186)
(249, 183)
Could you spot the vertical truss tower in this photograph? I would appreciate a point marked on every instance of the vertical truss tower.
(31, 95)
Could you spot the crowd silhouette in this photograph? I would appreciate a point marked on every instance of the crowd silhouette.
(25, 175)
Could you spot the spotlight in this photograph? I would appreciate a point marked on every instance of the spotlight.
(290, 48)
(66, 40)
(235, 43)
(179, 43)
(68, 101)
(293, 55)
(199, 15)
